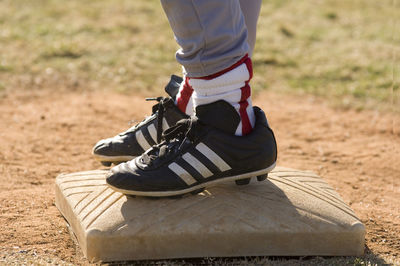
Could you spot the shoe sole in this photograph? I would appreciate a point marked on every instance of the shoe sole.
(245, 178)
(108, 160)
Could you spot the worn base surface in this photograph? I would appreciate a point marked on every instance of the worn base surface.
(292, 213)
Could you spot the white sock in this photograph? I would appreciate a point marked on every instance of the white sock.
(184, 98)
(232, 86)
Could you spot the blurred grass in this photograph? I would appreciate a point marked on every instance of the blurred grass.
(340, 49)
(344, 50)
(119, 44)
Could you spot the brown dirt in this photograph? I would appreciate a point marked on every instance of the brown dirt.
(44, 133)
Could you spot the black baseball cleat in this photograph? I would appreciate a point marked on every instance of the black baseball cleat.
(139, 138)
(199, 152)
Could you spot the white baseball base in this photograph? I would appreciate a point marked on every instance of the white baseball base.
(292, 213)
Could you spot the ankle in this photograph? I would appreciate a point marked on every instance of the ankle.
(232, 86)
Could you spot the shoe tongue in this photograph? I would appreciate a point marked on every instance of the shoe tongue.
(220, 115)
(173, 85)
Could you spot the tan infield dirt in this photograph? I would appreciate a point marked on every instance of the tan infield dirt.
(44, 133)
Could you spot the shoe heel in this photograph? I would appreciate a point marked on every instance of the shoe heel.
(242, 182)
(262, 177)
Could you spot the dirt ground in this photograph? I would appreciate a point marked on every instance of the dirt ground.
(44, 133)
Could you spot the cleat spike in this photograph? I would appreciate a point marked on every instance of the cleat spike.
(197, 191)
(106, 164)
(262, 177)
(242, 182)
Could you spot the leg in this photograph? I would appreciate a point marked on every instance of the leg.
(211, 33)
(227, 139)
(251, 12)
(213, 39)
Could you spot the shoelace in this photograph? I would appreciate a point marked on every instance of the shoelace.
(158, 107)
(173, 138)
